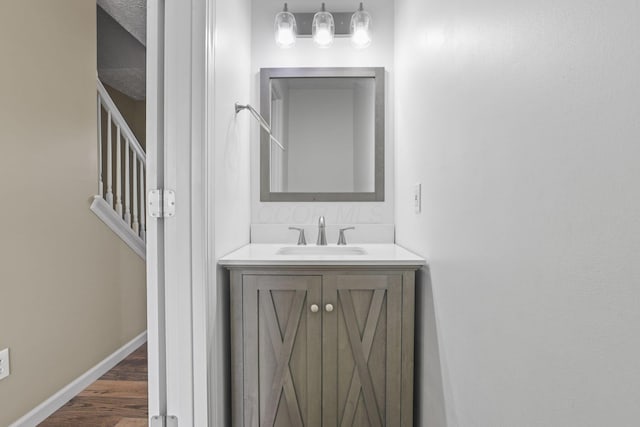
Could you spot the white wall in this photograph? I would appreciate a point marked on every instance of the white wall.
(265, 53)
(231, 144)
(320, 138)
(521, 120)
(231, 186)
(280, 127)
(364, 134)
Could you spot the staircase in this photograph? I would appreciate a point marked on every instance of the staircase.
(121, 199)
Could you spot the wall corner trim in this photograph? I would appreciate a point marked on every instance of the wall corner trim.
(103, 211)
(58, 400)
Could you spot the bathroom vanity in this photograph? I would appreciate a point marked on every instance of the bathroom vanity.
(322, 335)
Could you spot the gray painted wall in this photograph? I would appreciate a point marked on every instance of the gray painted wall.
(520, 119)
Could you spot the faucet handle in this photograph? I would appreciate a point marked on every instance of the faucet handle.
(301, 238)
(341, 238)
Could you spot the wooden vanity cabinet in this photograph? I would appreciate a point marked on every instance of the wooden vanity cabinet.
(326, 347)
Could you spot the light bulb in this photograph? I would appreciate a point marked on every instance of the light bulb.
(285, 29)
(360, 28)
(285, 37)
(323, 37)
(361, 38)
(323, 28)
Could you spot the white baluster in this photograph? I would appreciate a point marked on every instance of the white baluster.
(118, 173)
(127, 186)
(109, 196)
(143, 233)
(100, 185)
(136, 225)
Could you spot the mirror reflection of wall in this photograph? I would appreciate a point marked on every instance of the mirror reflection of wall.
(327, 126)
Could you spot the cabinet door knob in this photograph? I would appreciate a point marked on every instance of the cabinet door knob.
(314, 308)
(328, 308)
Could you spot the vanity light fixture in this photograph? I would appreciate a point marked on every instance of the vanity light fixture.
(323, 28)
(285, 29)
(360, 28)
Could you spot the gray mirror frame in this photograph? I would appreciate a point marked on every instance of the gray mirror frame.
(378, 73)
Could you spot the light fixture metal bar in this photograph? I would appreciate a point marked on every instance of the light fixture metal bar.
(342, 21)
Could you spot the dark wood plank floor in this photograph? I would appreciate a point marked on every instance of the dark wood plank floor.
(117, 399)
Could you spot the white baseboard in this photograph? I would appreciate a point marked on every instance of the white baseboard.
(58, 400)
(103, 211)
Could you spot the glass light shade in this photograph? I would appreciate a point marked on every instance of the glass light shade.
(360, 28)
(323, 28)
(285, 29)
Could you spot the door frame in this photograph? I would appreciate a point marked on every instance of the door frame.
(180, 45)
(155, 230)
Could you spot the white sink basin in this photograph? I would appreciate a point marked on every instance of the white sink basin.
(321, 250)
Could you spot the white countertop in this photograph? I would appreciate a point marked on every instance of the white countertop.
(258, 254)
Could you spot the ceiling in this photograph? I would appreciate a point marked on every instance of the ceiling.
(121, 46)
(131, 14)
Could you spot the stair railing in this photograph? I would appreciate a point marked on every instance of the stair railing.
(125, 195)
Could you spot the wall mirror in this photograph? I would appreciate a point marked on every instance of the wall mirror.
(331, 123)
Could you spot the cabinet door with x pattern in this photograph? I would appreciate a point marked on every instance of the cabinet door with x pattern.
(362, 352)
(282, 329)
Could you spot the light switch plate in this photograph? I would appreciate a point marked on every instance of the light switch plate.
(5, 369)
(417, 198)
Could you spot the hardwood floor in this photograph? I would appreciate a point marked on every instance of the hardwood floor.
(117, 399)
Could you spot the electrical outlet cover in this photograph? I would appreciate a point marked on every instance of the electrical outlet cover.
(5, 369)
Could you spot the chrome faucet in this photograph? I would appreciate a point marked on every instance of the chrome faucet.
(301, 239)
(341, 239)
(322, 236)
